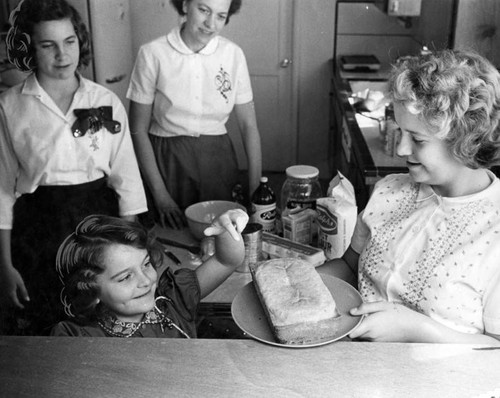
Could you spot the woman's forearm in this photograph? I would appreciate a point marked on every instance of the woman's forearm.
(345, 268)
(254, 154)
(140, 119)
(5, 253)
(339, 269)
(147, 163)
(431, 331)
(247, 122)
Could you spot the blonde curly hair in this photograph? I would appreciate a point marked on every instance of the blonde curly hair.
(457, 95)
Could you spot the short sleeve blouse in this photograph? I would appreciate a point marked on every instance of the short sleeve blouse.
(37, 147)
(439, 256)
(192, 93)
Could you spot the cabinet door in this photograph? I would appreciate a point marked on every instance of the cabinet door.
(264, 31)
(112, 44)
(477, 26)
(82, 8)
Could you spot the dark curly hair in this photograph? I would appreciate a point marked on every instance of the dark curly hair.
(233, 8)
(80, 258)
(23, 19)
(457, 95)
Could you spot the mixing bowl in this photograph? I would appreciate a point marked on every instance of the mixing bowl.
(200, 215)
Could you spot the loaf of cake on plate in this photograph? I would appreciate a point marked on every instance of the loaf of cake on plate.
(299, 307)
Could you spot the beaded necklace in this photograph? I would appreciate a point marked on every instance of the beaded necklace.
(114, 327)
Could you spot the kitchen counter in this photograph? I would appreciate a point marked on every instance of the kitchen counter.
(112, 367)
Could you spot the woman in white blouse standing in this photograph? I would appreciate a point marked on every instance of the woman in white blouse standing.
(65, 153)
(183, 88)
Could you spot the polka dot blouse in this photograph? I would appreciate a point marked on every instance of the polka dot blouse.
(438, 256)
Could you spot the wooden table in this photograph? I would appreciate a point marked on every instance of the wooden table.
(111, 367)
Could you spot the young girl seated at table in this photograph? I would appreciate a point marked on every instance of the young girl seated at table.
(426, 248)
(108, 267)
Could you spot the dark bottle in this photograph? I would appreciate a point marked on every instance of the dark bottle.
(237, 194)
(264, 206)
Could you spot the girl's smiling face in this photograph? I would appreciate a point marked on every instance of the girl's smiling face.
(204, 20)
(128, 284)
(57, 49)
(427, 157)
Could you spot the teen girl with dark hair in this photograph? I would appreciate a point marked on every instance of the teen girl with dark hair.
(65, 153)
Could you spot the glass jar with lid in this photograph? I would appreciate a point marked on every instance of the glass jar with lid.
(299, 193)
(300, 189)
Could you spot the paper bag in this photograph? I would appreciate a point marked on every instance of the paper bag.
(337, 214)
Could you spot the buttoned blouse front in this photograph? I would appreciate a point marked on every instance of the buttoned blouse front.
(37, 147)
(192, 93)
(439, 256)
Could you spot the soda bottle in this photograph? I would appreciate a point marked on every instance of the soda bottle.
(264, 206)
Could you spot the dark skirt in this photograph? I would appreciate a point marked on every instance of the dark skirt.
(196, 169)
(42, 220)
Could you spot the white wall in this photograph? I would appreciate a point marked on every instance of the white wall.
(150, 19)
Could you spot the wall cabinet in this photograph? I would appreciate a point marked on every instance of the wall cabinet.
(477, 26)
(110, 28)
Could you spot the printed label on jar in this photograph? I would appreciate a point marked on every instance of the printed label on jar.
(265, 215)
(293, 204)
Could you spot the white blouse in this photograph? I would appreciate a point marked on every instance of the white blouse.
(37, 147)
(439, 256)
(192, 93)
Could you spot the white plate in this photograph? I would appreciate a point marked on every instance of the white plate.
(250, 317)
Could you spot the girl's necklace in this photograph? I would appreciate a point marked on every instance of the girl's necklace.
(117, 328)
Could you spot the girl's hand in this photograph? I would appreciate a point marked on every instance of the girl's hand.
(11, 283)
(170, 214)
(229, 246)
(386, 321)
(232, 221)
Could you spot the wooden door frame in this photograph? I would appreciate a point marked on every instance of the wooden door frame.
(295, 81)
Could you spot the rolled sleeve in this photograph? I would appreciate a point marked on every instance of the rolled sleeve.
(9, 167)
(142, 85)
(244, 93)
(124, 175)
